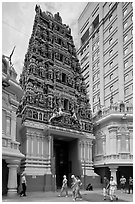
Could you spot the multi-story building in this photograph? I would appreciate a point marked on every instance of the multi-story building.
(106, 57)
(11, 155)
(56, 132)
(106, 51)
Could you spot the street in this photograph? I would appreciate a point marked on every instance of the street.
(87, 196)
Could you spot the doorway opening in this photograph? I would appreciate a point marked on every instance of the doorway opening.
(66, 159)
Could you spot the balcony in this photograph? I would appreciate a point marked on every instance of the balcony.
(121, 158)
(7, 142)
(120, 109)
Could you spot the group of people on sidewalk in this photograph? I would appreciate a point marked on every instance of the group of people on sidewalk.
(124, 182)
(75, 186)
(110, 187)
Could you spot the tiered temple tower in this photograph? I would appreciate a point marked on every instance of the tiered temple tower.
(56, 133)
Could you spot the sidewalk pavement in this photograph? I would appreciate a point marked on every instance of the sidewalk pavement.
(122, 196)
(93, 196)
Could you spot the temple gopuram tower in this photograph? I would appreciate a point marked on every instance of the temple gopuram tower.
(56, 131)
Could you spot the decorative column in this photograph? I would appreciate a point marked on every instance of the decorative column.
(8, 124)
(112, 133)
(81, 151)
(118, 143)
(12, 176)
(38, 140)
(90, 151)
(113, 170)
(13, 126)
(131, 143)
(49, 146)
(42, 152)
(104, 145)
(127, 143)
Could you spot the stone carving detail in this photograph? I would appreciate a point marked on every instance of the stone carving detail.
(54, 89)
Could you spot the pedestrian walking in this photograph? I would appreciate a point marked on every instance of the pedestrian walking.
(73, 187)
(105, 187)
(77, 190)
(64, 186)
(112, 189)
(123, 183)
(130, 184)
(24, 184)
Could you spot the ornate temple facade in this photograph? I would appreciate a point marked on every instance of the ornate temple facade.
(57, 130)
(11, 155)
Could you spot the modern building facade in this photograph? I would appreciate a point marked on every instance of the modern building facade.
(106, 57)
(11, 155)
(106, 51)
(57, 130)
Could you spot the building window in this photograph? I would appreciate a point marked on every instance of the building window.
(111, 64)
(126, 91)
(126, 64)
(110, 52)
(85, 37)
(126, 51)
(97, 64)
(110, 41)
(94, 88)
(94, 57)
(131, 31)
(94, 47)
(111, 76)
(94, 99)
(125, 12)
(132, 59)
(93, 67)
(131, 18)
(66, 103)
(63, 77)
(126, 78)
(111, 88)
(96, 22)
(110, 29)
(110, 17)
(125, 38)
(110, 5)
(125, 25)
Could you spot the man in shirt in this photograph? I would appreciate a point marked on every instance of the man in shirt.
(23, 183)
(64, 186)
(113, 187)
(78, 186)
(105, 187)
(73, 186)
(130, 184)
(122, 183)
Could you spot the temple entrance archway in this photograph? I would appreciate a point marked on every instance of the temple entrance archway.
(66, 155)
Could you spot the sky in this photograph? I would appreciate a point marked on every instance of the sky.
(17, 24)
